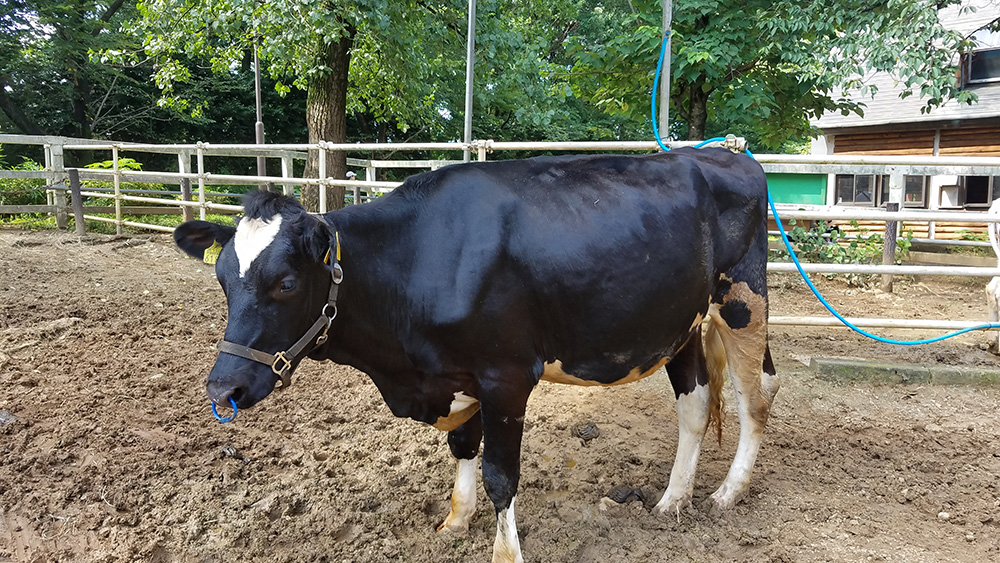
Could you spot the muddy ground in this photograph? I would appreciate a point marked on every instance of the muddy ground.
(108, 450)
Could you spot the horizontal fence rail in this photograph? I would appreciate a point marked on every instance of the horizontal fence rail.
(193, 176)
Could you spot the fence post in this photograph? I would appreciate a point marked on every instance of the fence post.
(201, 180)
(58, 176)
(896, 183)
(118, 191)
(74, 186)
(287, 170)
(184, 167)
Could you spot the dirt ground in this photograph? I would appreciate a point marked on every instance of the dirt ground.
(109, 452)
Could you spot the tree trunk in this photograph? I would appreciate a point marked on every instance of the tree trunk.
(326, 117)
(697, 110)
(13, 111)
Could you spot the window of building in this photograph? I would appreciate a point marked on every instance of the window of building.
(982, 66)
(981, 191)
(862, 189)
(856, 189)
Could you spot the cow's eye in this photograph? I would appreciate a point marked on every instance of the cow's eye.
(287, 284)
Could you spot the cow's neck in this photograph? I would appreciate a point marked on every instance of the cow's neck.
(371, 302)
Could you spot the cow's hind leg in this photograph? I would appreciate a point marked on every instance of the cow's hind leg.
(464, 443)
(740, 317)
(689, 378)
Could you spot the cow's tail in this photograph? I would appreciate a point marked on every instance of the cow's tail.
(715, 357)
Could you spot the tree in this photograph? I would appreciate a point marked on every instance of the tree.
(395, 69)
(59, 76)
(768, 65)
(307, 45)
(44, 62)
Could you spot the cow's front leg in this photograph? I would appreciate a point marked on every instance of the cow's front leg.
(503, 405)
(464, 443)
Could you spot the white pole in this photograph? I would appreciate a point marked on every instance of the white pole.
(873, 323)
(470, 63)
(322, 177)
(664, 121)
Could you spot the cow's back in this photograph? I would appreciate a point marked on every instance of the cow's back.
(600, 262)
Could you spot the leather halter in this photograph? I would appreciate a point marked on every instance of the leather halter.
(281, 363)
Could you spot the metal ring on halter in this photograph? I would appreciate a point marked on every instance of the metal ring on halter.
(334, 315)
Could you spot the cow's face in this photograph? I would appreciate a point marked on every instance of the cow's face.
(276, 283)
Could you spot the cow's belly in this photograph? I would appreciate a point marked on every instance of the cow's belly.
(554, 373)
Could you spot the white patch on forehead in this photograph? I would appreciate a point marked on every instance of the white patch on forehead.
(252, 237)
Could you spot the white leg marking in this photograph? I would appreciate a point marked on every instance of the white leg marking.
(993, 304)
(692, 420)
(252, 237)
(737, 482)
(507, 548)
(463, 497)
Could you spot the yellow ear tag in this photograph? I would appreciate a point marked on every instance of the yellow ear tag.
(212, 253)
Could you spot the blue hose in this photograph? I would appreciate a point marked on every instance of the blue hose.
(788, 244)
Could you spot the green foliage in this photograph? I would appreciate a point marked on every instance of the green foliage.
(23, 191)
(825, 244)
(972, 235)
(770, 66)
(545, 70)
(407, 68)
(123, 164)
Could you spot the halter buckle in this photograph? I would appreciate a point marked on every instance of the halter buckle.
(282, 372)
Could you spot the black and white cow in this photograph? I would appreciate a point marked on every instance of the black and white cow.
(462, 289)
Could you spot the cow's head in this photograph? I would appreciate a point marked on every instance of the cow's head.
(276, 271)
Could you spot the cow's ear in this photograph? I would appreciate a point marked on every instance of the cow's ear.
(317, 239)
(195, 237)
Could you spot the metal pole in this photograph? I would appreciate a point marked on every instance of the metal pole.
(470, 63)
(664, 121)
(259, 126)
(322, 177)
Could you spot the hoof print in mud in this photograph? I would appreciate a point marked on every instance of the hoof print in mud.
(587, 431)
(624, 493)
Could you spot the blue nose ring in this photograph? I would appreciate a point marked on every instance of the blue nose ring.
(225, 419)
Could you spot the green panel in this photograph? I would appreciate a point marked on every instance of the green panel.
(797, 188)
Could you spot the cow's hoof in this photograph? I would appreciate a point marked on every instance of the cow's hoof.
(671, 507)
(725, 498)
(447, 527)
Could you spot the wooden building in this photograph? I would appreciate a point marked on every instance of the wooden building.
(894, 126)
